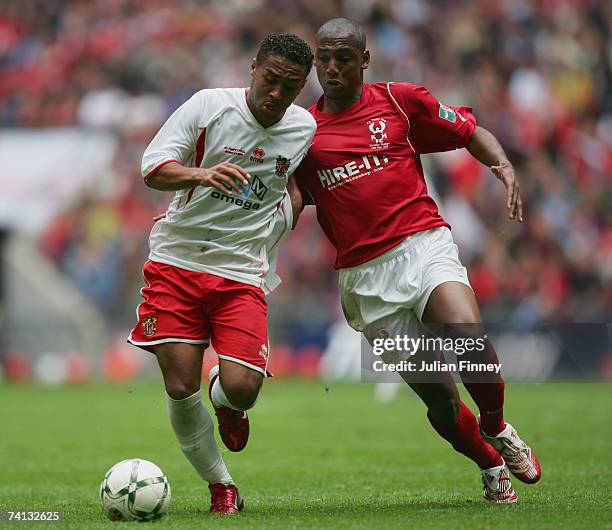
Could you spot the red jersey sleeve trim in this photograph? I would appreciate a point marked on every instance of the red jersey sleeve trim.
(156, 168)
(200, 147)
(405, 116)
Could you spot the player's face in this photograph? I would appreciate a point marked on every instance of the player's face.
(340, 64)
(276, 83)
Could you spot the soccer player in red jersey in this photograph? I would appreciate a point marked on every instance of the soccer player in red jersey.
(398, 265)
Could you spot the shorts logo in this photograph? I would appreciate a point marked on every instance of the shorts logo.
(282, 166)
(149, 326)
(258, 155)
(264, 351)
(377, 127)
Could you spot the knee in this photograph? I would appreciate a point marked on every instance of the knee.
(445, 411)
(178, 389)
(243, 392)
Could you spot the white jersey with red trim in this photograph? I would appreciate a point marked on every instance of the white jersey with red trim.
(233, 236)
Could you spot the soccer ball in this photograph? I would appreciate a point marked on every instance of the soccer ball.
(134, 490)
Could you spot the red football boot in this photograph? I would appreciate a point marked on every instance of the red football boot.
(233, 424)
(225, 500)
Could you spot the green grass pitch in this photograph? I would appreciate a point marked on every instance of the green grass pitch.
(318, 458)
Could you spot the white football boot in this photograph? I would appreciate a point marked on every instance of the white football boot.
(496, 485)
(519, 457)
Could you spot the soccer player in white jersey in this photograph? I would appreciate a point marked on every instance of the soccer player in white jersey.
(229, 154)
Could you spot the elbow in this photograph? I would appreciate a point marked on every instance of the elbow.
(151, 178)
(150, 181)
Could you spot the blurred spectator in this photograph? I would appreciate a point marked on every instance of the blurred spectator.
(538, 74)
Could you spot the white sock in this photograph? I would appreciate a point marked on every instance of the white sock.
(194, 430)
(218, 396)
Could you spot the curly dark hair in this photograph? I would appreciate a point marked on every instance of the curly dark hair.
(288, 46)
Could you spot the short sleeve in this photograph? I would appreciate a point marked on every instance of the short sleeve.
(176, 140)
(434, 126)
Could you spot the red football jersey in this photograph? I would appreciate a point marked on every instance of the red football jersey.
(363, 169)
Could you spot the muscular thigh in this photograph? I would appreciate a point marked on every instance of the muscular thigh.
(181, 366)
(452, 303)
(238, 325)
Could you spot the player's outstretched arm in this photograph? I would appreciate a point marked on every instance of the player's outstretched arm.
(225, 177)
(485, 148)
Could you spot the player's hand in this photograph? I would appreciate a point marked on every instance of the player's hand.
(514, 203)
(226, 177)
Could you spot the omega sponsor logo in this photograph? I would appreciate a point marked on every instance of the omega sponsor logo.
(243, 203)
(256, 186)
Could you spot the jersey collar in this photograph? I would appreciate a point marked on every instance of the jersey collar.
(365, 90)
(253, 119)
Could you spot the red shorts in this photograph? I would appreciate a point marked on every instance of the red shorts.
(201, 308)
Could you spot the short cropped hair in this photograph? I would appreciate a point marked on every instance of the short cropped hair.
(343, 27)
(286, 45)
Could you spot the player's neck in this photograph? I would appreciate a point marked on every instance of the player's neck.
(338, 105)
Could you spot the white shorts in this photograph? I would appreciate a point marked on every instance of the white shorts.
(388, 294)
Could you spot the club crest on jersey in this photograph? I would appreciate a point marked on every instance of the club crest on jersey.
(149, 326)
(378, 135)
(258, 155)
(282, 166)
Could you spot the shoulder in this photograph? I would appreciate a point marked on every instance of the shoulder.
(303, 117)
(210, 103)
(409, 92)
(405, 90)
(228, 96)
(413, 99)
(404, 94)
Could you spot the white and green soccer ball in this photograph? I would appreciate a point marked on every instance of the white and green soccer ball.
(134, 490)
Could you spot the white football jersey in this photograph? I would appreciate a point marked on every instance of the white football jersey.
(233, 236)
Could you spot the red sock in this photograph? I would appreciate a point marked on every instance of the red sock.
(464, 436)
(487, 391)
(489, 398)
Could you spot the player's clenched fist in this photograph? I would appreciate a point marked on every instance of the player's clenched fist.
(225, 177)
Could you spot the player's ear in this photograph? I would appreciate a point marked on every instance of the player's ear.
(365, 60)
(253, 66)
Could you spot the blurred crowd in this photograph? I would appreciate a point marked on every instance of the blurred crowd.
(537, 73)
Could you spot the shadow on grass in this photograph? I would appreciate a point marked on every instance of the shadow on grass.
(372, 507)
